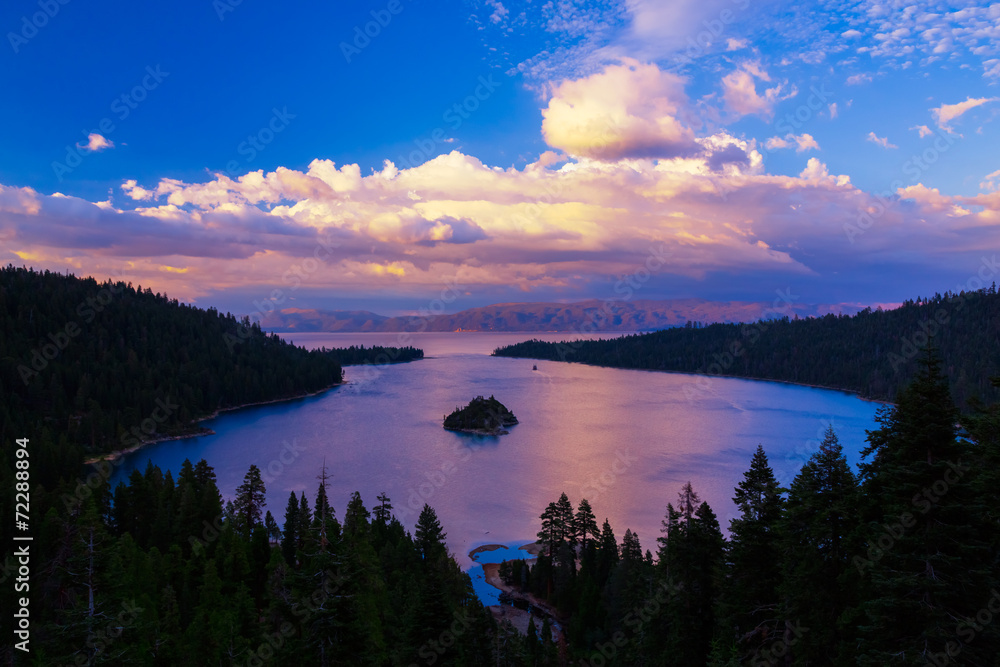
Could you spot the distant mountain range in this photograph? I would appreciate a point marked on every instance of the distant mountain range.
(592, 315)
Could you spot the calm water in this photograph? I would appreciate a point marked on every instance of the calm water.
(625, 440)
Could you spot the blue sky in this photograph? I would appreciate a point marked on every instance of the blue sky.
(219, 152)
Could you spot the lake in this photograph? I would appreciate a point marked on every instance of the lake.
(627, 440)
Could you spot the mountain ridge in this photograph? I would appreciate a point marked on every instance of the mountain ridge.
(590, 314)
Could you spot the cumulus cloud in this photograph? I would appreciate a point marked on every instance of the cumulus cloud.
(991, 182)
(801, 142)
(567, 223)
(923, 130)
(858, 79)
(627, 110)
(739, 90)
(880, 141)
(944, 114)
(96, 142)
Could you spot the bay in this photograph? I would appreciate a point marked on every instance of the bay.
(626, 440)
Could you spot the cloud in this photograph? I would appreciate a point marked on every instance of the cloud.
(739, 90)
(923, 130)
(833, 110)
(944, 114)
(880, 141)
(858, 79)
(850, 34)
(627, 110)
(802, 142)
(96, 142)
(991, 182)
(734, 44)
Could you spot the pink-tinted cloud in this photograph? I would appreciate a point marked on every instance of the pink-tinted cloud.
(627, 110)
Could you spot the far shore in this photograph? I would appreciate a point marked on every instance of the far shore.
(201, 430)
(852, 392)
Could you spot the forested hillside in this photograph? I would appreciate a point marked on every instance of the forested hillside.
(168, 575)
(89, 367)
(873, 352)
(899, 565)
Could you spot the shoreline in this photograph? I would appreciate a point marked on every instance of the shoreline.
(851, 392)
(200, 431)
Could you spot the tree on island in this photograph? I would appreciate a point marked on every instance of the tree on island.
(481, 415)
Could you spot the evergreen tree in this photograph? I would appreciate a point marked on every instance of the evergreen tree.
(750, 601)
(290, 536)
(585, 523)
(429, 537)
(819, 583)
(250, 500)
(927, 561)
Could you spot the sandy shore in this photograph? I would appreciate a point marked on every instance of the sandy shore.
(200, 431)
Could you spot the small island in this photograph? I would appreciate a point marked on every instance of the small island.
(483, 416)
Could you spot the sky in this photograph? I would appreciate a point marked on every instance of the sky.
(377, 155)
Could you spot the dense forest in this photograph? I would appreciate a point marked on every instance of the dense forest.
(873, 352)
(160, 572)
(899, 565)
(894, 565)
(88, 367)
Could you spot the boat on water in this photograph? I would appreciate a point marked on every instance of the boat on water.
(534, 368)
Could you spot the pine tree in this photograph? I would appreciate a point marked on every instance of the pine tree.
(819, 583)
(250, 500)
(429, 537)
(927, 562)
(585, 523)
(750, 601)
(290, 536)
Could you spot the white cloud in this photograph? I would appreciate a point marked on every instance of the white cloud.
(923, 130)
(991, 182)
(628, 110)
(739, 89)
(850, 34)
(833, 110)
(944, 114)
(734, 44)
(96, 142)
(802, 142)
(858, 79)
(880, 141)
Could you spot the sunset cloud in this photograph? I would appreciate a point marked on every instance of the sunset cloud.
(739, 90)
(627, 110)
(944, 114)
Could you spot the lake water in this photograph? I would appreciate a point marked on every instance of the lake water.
(626, 440)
